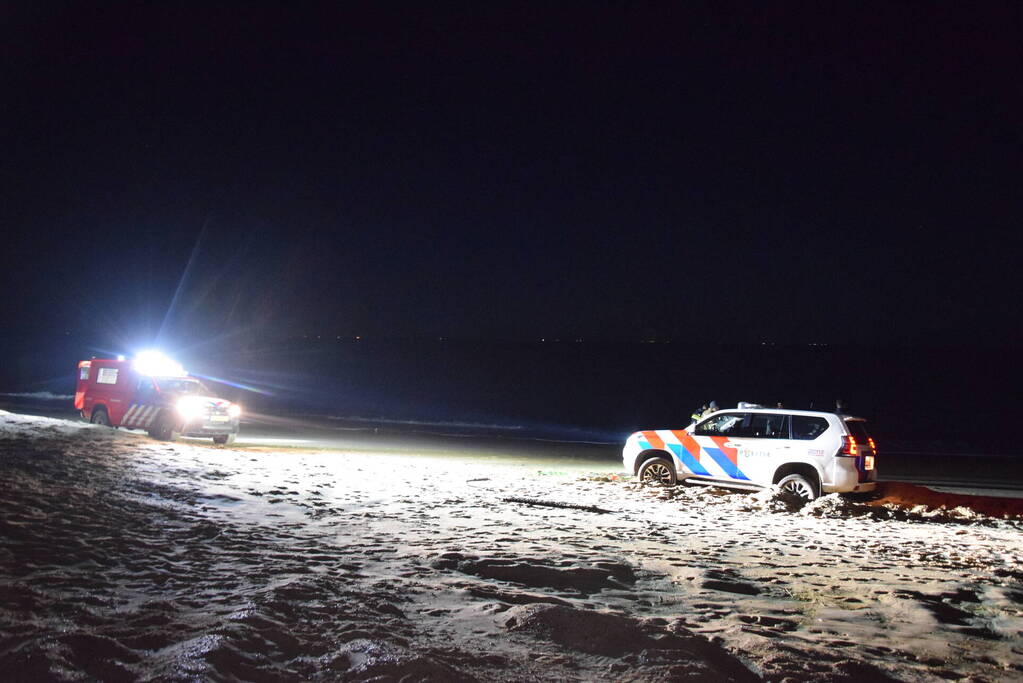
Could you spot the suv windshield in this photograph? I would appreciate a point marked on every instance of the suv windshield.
(182, 386)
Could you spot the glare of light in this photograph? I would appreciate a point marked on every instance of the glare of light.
(190, 406)
(222, 380)
(234, 410)
(157, 364)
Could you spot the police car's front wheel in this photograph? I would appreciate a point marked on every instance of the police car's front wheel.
(658, 471)
(224, 439)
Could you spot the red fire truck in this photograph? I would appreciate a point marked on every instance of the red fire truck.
(155, 394)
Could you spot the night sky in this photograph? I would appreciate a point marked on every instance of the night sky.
(818, 172)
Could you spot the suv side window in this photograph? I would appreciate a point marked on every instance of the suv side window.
(808, 428)
(763, 426)
(726, 424)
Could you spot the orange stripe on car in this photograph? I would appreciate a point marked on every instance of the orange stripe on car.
(654, 440)
(730, 452)
(688, 442)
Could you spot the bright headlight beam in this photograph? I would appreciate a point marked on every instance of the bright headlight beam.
(190, 406)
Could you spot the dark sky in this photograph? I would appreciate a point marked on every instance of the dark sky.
(705, 172)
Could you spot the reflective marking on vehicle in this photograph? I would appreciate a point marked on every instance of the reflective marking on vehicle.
(727, 447)
(730, 452)
(694, 458)
(130, 414)
(688, 442)
(653, 440)
(140, 414)
(687, 460)
(730, 468)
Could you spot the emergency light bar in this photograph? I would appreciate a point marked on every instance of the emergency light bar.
(157, 364)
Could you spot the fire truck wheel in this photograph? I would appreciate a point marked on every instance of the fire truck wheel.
(224, 439)
(164, 430)
(100, 417)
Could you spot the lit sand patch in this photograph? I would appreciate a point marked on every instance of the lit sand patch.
(123, 557)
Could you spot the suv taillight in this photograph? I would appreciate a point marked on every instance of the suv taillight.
(873, 446)
(849, 446)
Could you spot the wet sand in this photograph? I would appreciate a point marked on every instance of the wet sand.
(123, 558)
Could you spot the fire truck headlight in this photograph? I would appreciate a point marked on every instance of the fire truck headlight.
(188, 407)
(234, 410)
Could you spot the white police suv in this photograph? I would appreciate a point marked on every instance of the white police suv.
(806, 452)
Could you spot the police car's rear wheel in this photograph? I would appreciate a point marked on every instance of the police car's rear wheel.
(658, 471)
(799, 485)
(100, 417)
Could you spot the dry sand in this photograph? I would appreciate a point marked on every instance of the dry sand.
(126, 558)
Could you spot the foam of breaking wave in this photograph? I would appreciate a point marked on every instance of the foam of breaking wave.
(471, 429)
(42, 395)
(425, 423)
(17, 425)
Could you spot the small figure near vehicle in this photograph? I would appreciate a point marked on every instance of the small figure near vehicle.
(703, 412)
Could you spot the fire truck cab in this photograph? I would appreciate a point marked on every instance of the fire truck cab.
(166, 402)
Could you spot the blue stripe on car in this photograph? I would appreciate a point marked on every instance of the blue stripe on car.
(730, 468)
(687, 460)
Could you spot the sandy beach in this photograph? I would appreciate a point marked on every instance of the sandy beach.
(124, 558)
